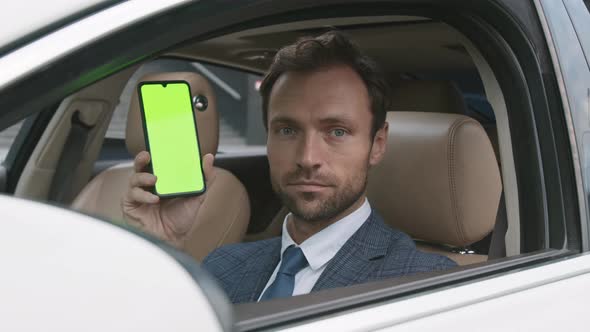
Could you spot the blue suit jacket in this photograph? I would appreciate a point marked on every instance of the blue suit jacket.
(376, 251)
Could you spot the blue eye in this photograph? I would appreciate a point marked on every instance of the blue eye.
(286, 131)
(338, 132)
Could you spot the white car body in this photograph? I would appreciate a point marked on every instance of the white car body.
(64, 271)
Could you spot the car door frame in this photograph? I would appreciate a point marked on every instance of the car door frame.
(561, 21)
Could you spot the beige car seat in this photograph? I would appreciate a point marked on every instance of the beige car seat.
(438, 96)
(439, 182)
(225, 213)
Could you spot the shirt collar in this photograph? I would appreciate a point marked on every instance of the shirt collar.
(320, 248)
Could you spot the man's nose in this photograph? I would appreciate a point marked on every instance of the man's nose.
(310, 154)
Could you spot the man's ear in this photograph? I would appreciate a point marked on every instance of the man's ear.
(379, 145)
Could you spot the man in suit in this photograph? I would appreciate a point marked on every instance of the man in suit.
(324, 107)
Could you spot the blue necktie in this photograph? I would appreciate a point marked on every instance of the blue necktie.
(293, 261)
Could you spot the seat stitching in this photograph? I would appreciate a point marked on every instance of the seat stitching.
(234, 219)
(452, 183)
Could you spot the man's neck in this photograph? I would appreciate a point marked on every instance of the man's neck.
(301, 230)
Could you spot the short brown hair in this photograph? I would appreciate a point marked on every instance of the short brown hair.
(328, 49)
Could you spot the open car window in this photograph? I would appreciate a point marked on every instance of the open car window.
(240, 120)
(7, 137)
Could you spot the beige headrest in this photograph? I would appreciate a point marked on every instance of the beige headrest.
(427, 96)
(207, 121)
(439, 180)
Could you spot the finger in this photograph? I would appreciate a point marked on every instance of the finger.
(208, 168)
(142, 180)
(138, 195)
(141, 161)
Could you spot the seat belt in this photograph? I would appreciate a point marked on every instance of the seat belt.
(71, 155)
(498, 241)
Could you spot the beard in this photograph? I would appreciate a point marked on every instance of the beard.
(310, 206)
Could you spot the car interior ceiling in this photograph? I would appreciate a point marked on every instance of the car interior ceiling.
(421, 57)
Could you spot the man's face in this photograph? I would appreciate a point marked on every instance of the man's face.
(320, 145)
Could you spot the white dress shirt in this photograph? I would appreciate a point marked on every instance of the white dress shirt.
(320, 248)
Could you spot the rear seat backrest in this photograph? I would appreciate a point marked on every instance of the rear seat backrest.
(439, 181)
(225, 213)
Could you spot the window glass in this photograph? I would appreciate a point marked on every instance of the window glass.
(7, 137)
(238, 103)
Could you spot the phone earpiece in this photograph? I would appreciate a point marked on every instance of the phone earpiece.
(200, 102)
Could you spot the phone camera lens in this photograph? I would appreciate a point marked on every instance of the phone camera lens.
(200, 102)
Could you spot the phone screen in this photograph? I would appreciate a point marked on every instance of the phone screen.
(171, 137)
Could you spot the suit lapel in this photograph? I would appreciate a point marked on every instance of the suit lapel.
(257, 271)
(354, 262)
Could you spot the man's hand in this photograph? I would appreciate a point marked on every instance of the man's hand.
(168, 219)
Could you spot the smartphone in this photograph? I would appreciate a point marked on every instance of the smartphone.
(171, 138)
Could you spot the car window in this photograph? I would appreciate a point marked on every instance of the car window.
(7, 138)
(11, 141)
(238, 103)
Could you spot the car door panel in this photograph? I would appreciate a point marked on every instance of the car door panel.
(506, 302)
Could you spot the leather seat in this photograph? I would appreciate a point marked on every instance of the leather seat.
(438, 96)
(225, 213)
(439, 182)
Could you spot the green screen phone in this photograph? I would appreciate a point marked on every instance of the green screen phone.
(171, 138)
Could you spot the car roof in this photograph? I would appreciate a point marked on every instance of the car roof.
(13, 27)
